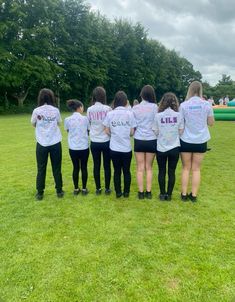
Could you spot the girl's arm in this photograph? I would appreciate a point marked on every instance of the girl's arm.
(181, 131)
(107, 130)
(132, 131)
(210, 120)
(34, 119)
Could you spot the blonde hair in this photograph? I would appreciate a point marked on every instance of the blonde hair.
(194, 89)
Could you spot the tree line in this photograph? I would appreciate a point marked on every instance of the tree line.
(63, 45)
(224, 87)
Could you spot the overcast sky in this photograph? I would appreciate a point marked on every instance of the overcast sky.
(202, 31)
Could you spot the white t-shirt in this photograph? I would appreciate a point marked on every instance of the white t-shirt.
(96, 114)
(144, 114)
(47, 118)
(167, 124)
(195, 112)
(77, 126)
(120, 121)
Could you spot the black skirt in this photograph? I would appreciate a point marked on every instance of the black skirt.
(145, 146)
(193, 148)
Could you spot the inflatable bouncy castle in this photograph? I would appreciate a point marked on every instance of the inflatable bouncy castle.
(225, 113)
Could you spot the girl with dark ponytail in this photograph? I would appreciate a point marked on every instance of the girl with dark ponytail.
(77, 127)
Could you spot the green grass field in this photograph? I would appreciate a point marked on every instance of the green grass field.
(102, 249)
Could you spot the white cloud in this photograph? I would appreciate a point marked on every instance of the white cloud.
(203, 31)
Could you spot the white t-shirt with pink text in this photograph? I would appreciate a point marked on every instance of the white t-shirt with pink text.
(195, 112)
(96, 114)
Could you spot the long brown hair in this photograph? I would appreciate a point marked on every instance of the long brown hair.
(194, 89)
(46, 96)
(169, 100)
(148, 94)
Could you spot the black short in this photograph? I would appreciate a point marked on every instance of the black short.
(145, 146)
(193, 148)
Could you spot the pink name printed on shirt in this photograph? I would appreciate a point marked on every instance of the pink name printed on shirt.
(98, 116)
(169, 120)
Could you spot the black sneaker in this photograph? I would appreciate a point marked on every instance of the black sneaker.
(118, 195)
(108, 191)
(162, 197)
(148, 195)
(76, 192)
(184, 197)
(39, 196)
(192, 198)
(60, 194)
(168, 197)
(126, 194)
(98, 191)
(141, 195)
(85, 191)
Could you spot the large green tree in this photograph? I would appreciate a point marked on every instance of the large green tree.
(61, 44)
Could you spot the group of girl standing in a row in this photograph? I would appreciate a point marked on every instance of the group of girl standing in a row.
(167, 131)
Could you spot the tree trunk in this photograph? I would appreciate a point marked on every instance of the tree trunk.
(20, 101)
(58, 98)
(6, 102)
(22, 97)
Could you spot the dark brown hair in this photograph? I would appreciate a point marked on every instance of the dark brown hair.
(46, 96)
(148, 94)
(169, 100)
(99, 95)
(74, 104)
(120, 99)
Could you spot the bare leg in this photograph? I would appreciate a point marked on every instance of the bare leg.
(196, 173)
(186, 158)
(149, 157)
(140, 162)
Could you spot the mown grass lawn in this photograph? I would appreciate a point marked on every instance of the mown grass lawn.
(102, 249)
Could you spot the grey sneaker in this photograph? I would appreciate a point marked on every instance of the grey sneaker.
(85, 191)
(60, 194)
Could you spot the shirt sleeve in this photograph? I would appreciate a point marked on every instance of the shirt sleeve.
(88, 123)
(133, 121)
(210, 111)
(88, 115)
(34, 118)
(58, 118)
(106, 121)
(155, 124)
(181, 122)
(66, 125)
(156, 108)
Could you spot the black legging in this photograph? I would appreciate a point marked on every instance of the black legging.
(121, 162)
(172, 156)
(79, 159)
(96, 150)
